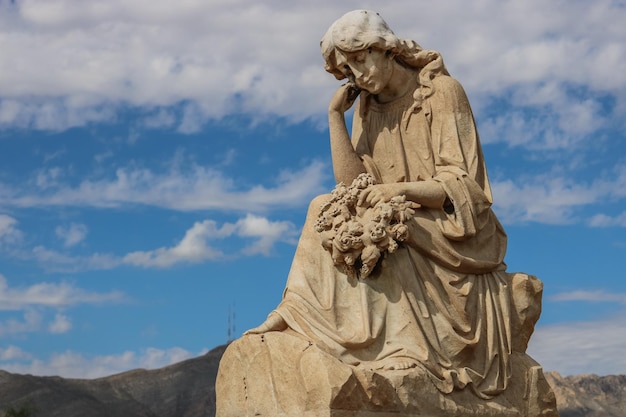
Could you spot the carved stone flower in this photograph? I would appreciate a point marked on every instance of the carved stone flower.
(361, 237)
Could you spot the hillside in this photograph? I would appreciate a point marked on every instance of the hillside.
(589, 395)
(187, 389)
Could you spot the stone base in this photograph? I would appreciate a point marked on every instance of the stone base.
(278, 374)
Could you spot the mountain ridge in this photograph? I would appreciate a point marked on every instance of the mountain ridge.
(187, 389)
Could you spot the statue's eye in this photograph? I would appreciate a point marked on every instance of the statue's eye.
(360, 58)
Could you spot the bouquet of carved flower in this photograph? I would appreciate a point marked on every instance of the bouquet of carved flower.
(356, 237)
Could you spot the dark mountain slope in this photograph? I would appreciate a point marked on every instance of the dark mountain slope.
(185, 389)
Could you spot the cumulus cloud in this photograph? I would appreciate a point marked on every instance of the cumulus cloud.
(582, 347)
(49, 177)
(71, 364)
(9, 233)
(554, 199)
(69, 63)
(92, 67)
(61, 324)
(31, 322)
(51, 295)
(556, 122)
(603, 220)
(256, 235)
(13, 353)
(55, 261)
(555, 83)
(194, 188)
(34, 302)
(194, 248)
(266, 231)
(72, 234)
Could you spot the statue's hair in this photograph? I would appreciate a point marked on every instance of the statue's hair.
(362, 29)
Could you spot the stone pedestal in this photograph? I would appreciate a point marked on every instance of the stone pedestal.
(279, 374)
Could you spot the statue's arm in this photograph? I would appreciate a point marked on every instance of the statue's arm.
(456, 143)
(347, 164)
(427, 193)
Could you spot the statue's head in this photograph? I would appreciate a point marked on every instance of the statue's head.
(361, 41)
(355, 31)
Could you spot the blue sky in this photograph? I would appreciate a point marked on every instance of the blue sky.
(157, 159)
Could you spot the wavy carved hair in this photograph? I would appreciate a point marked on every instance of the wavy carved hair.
(363, 29)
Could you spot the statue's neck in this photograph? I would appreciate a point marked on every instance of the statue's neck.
(402, 80)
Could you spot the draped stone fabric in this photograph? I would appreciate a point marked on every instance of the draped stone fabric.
(442, 300)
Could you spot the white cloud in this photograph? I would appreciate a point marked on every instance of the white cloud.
(61, 324)
(545, 69)
(552, 201)
(99, 158)
(51, 295)
(55, 261)
(603, 220)
(545, 118)
(72, 234)
(194, 188)
(71, 364)
(9, 233)
(160, 119)
(266, 231)
(34, 300)
(31, 323)
(593, 296)
(581, 347)
(194, 248)
(159, 67)
(67, 63)
(48, 177)
(13, 353)
(556, 198)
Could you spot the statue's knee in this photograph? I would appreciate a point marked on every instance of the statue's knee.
(318, 201)
(316, 204)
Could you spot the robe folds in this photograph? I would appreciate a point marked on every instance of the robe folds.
(442, 299)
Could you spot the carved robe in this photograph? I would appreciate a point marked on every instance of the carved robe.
(442, 299)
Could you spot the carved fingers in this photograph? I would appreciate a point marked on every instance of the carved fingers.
(378, 193)
(344, 98)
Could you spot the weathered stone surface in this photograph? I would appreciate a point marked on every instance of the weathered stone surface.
(190, 384)
(398, 300)
(280, 374)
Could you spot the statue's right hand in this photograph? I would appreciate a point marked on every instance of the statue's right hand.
(344, 98)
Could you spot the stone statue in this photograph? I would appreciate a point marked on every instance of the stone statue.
(398, 300)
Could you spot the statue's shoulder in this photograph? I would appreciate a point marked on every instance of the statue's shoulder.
(448, 93)
(445, 82)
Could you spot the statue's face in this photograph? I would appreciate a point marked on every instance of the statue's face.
(370, 69)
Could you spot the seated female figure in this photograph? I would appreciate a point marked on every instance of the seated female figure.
(442, 300)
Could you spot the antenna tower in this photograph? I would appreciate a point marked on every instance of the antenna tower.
(231, 324)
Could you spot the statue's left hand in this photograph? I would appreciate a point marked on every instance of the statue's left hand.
(380, 193)
(273, 323)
